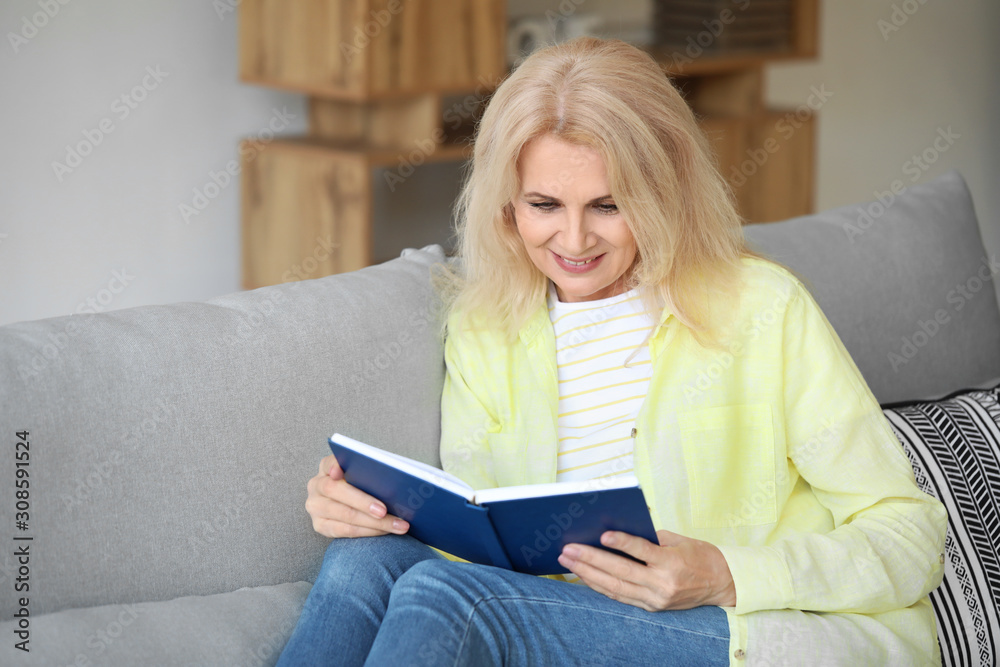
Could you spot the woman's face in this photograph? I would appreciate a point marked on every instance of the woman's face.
(571, 228)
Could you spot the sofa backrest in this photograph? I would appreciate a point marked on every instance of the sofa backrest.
(170, 445)
(906, 283)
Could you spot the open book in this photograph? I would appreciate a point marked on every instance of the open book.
(522, 528)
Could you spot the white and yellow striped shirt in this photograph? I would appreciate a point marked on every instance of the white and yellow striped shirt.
(604, 368)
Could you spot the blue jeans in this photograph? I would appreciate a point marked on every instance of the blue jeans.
(391, 600)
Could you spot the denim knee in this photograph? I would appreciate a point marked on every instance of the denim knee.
(434, 581)
(379, 556)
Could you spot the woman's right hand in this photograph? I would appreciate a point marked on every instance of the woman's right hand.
(341, 510)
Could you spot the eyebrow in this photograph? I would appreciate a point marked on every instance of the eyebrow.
(539, 194)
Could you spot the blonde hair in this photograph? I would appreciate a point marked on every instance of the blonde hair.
(614, 98)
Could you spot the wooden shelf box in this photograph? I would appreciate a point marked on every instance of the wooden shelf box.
(379, 74)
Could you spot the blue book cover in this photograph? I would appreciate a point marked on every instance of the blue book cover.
(522, 528)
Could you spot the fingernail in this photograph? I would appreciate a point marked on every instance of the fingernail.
(571, 552)
(399, 526)
(378, 509)
(608, 540)
(566, 561)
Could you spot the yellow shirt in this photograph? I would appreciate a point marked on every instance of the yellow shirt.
(774, 450)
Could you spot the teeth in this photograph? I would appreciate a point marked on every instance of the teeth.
(572, 263)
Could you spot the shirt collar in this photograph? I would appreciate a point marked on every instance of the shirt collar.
(540, 322)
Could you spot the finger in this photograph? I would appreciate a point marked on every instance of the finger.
(613, 587)
(613, 565)
(331, 467)
(344, 492)
(634, 546)
(332, 528)
(668, 539)
(327, 509)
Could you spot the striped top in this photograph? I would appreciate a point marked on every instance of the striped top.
(599, 395)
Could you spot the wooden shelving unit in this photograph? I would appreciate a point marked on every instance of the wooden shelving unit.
(377, 72)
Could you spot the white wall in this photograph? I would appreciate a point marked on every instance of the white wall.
(61, 242)
(893, 89)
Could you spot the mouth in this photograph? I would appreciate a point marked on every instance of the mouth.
(578, 265)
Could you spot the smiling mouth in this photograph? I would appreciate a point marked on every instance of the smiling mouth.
(579, 263)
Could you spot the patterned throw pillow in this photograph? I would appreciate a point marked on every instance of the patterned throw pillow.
(954, 446)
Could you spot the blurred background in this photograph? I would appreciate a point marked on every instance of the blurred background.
(172, 151)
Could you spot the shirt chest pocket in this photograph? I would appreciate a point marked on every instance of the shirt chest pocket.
(729, 456)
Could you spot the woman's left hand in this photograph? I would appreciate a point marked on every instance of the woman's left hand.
(680, 573)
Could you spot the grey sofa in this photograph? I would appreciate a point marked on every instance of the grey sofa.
(169, 446)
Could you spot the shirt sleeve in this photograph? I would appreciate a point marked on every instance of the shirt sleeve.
(885, 549)
(465, 419)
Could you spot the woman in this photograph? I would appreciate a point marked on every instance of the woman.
(610, 320)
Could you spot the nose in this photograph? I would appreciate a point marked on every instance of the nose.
(576, 232)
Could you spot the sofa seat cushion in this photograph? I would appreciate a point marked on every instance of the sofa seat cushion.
(954, 447)
(249, 626)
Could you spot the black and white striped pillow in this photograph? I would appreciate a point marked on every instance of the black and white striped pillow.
(954, 446)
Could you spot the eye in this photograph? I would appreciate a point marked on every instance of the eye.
(607, 209)
(544, 206)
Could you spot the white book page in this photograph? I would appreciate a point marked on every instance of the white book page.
(416, 468)
(555, 489)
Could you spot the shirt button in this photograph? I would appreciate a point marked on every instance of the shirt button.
(739, 654)
(941, 559)
(633, 433)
